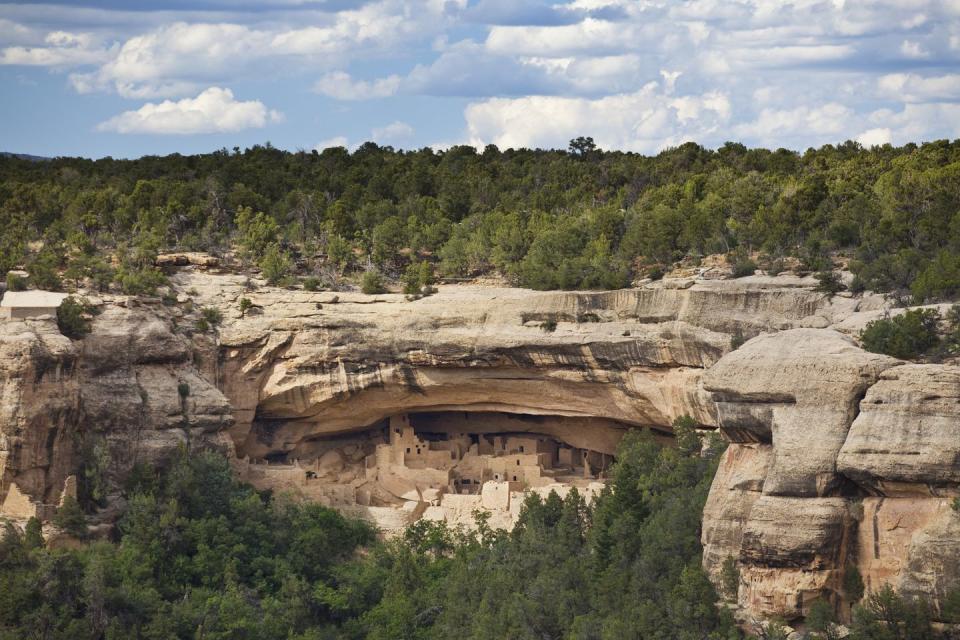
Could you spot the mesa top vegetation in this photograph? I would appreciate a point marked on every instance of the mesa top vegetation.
(581, 218)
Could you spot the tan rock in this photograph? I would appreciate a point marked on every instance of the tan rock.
(736, 487)
(933, 562)
(906, 439)
(798, 389)
(886, 532)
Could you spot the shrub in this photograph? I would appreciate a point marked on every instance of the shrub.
(685, 435)
(140, 282)
(202, 325)
(743, 268)
(183, 389)
(730, 578)
(906, 336)
(853, 587)
(372, 283)
(775, 267)
(245, 306)
(411, 279)
(276, 264)
(950, 609)
(72, 318)
(821, 619)
(33, 534)
(16, 282)
(311, 283)
(829, 282)
(43, 271)
(939, 280)
(655, 273)
(548, 326)
(737, 340)
(212, 315)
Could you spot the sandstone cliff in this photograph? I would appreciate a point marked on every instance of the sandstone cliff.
(126, 394)
(839, 458)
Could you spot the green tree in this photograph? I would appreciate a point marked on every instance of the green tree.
(72, 317)
(372, 282)
(70, 518)
(258, 232)
(908, 335)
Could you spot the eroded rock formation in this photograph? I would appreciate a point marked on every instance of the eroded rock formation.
(126, 394)
(841, 459)
(838, 458)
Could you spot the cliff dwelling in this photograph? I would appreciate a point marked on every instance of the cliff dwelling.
(442, 465)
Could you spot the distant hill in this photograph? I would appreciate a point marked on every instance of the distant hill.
(24, 156)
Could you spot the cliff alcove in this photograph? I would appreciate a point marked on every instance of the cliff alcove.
(838, 458)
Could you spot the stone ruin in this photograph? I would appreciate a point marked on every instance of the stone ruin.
(431, 466)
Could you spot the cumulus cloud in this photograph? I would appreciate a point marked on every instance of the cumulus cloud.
(647, 120)
(58, 49)
(396, 131)
(336, 141)
(786, 127)
(341, 86)
(911, 87)
(213, 111)
(179, 58)
(875, 137)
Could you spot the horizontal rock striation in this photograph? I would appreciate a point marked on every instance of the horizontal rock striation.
(838, 458)
(300, 364)
(842, 459)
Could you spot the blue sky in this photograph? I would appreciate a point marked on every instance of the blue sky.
(125, 78)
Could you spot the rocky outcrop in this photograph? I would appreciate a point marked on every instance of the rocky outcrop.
(839, 458)
(127, 393)
(39, 409)
(736, 487)
(906, 440)
(799, 389)
(855, 465)
(302, 364)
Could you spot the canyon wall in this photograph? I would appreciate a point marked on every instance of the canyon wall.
(838, 458)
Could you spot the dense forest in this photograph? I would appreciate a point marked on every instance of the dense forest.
(197, 555)
(576, 218)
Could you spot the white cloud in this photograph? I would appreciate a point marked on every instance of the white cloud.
(396, 131)
(59, 49)
(179, 58)
(912, 49)
(911, 87)
(336, 141)
(789, 127)
(919, 122)
(341, 86)
(875, 137)
(213, 111)
(646, 120)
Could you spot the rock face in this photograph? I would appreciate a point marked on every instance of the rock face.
(798, 389)
(39, 410)
(300, 364)
(906, 440)
(855, 459)
(838, 458)
(128, 393)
